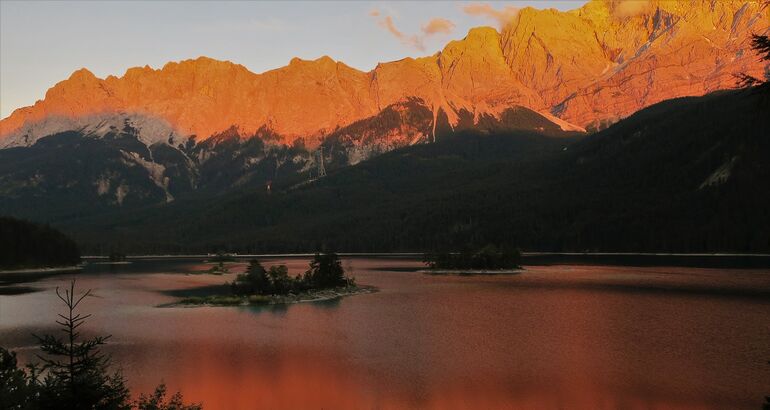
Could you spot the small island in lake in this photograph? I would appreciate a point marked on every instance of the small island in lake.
(218, 264)
(325, 279)
(218, 269)
(489, 260)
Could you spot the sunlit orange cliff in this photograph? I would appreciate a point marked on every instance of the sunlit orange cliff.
(586, 67)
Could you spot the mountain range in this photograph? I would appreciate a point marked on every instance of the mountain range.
(580, 68)
(203, 131)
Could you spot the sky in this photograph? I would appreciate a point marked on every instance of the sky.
(43, 42)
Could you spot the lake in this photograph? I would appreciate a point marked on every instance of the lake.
(578, 337)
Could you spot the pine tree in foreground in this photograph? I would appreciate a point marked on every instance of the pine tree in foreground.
(73, 372)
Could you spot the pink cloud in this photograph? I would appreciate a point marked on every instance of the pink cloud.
(438, 26)
(630, 8)
(433, 27)
(411, 41)
(502, 17)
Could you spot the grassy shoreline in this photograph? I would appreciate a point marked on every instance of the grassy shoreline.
(471, 272)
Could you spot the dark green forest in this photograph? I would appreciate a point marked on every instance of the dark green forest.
(685, 175)
(26, 244)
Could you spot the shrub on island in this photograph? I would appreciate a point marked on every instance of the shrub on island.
(218, 269)
(325, 272)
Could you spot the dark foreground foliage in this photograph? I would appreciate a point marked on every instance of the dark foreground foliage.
(325, 272)
(487, 258)
(73, 373)
(29, 245)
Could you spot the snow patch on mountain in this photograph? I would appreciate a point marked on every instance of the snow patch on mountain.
(148, 129)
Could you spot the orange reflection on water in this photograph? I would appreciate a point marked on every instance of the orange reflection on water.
(297, 380)
(573, 337)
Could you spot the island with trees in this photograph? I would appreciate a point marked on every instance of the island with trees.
(325, 279)
(488, 260)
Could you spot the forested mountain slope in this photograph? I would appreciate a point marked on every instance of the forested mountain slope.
(689, 175)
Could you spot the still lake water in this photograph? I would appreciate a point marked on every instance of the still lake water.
(569, 337)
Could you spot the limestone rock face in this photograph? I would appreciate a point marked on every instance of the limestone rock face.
(584, 67)
(664, 50)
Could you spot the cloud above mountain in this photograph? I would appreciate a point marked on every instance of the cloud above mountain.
(630, 8)
(435, 26)
(438, 26)
(502, 17)
(413, 41)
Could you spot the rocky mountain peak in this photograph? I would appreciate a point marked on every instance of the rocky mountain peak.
(588, 66)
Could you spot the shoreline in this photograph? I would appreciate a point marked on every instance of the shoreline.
(57, 269)
(695, 260)
(471, 272)
(237, 257)
(112, 263)
(267, 300)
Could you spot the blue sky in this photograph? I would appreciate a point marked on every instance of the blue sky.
(43, 42)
